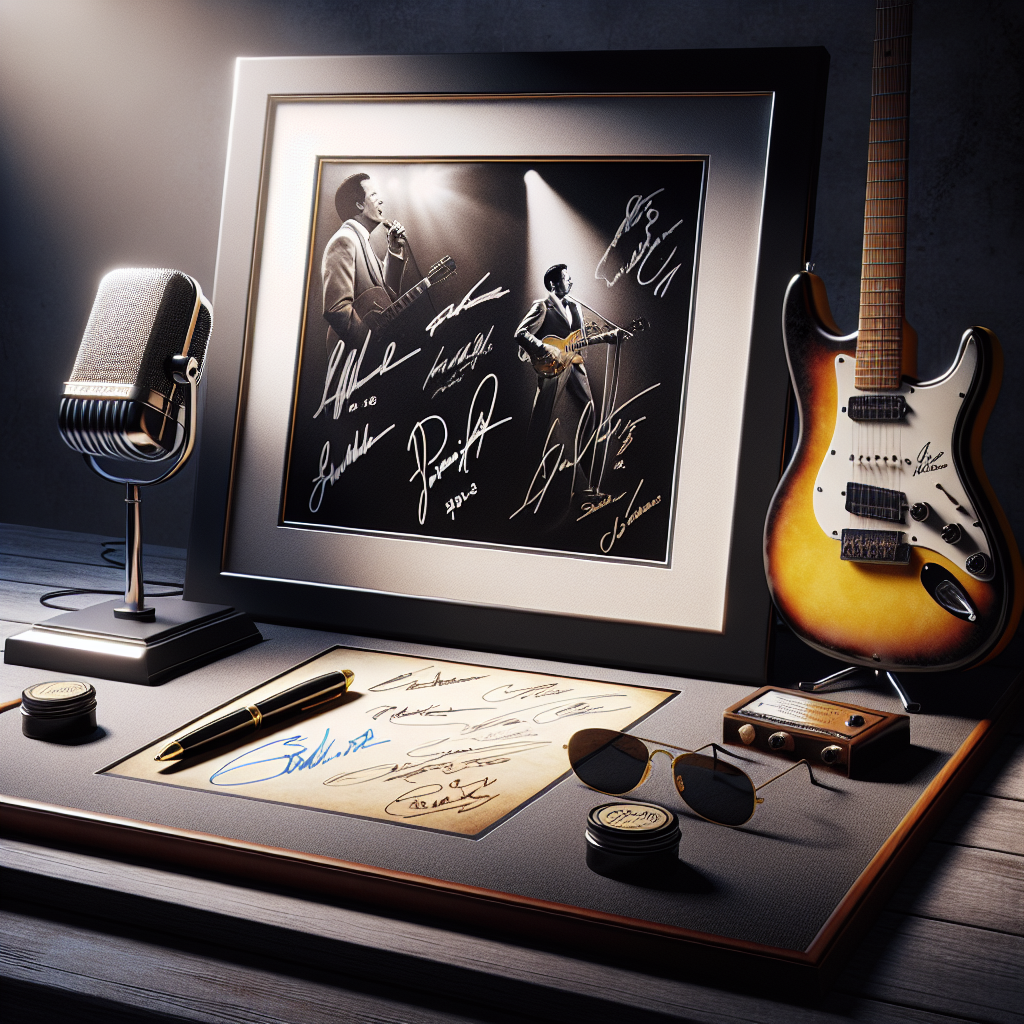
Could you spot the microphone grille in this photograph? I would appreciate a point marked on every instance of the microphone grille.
(141, 317)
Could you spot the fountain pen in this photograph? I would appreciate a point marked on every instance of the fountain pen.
(235, 724)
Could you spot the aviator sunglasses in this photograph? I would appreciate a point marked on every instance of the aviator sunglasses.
(614, 763)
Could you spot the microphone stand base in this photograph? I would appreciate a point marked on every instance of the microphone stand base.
(147, 614)
(182, 636)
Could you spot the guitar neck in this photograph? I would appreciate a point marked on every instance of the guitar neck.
(404, 301)
(883, 267)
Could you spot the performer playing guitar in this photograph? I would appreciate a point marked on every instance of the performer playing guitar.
(563, 387)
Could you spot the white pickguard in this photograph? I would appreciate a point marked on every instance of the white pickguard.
(912, 455)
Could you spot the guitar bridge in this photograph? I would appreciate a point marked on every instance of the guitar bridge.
(874, 546)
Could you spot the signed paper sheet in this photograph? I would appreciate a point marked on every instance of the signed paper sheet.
(423, 742)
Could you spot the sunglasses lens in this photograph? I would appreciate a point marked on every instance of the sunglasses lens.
(608, 761)
(715, 789)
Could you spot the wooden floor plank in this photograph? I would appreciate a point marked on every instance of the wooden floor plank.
(19, 602)
(941, 968)
(980, 888)
(19, 569)
(985, 822)
(187, 985)
(92, 886)
(195, 983)
(68, 546)
(1004, 774)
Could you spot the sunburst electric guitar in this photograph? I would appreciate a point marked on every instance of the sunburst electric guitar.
(884, 543)
(552, 365)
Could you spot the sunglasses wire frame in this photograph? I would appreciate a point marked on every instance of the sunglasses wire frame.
(715, 751)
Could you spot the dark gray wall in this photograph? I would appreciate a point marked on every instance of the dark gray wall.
(113, 129)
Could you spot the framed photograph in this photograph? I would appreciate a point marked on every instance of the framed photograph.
(497, 358)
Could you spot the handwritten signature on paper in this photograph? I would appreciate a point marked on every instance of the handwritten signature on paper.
(399, 682)
(447, 762)
(459, 797)
(469, 300)
(429, 453)
(362, 741)
(640, 208)
(430, 715)
(490, 722)
(274, 759)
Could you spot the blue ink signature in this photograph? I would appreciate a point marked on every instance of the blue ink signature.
(361, 742)
(276, 758)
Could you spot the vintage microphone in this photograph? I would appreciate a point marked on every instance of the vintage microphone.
(132, 392)
(132, 398)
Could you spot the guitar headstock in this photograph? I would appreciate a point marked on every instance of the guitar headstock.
(441, 270)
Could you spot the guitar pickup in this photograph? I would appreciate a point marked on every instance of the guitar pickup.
(875, 502)
(876, 407)
(874, 546)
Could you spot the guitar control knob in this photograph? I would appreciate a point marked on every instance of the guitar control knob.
(747, 733)
(780, 741)
(951, 533)
(854, 721)
(831, 754)
(977, 563)
(920, 511)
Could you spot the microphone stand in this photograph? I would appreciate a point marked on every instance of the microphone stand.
(185, 370)
(608, 397)
(153, 642)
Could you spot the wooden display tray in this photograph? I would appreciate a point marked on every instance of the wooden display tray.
(649, 945)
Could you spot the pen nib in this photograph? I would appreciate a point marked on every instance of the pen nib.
(171, 752)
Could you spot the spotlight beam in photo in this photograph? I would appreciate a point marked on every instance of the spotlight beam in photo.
(557, 233)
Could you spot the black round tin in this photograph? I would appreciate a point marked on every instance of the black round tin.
(58, 710)
(632, 841)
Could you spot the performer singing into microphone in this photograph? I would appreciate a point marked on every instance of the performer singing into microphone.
(565, 397)
(350, 266)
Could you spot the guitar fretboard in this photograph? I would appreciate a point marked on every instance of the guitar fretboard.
(403, 302)
(883, 269)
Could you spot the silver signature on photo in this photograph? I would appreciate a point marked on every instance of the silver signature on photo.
(329, 474)
(551, 462)
(349, 380)
(469, 300)
(478, 424)
(640, 208)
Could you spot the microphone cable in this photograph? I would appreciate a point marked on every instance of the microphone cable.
(109, 555)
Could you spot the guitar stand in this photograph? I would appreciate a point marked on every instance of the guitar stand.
(846, 679)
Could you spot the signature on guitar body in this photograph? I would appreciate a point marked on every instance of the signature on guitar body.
(884, 544)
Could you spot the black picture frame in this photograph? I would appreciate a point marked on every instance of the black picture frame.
(793, 78)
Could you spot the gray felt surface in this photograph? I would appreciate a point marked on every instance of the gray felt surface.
(774, 881)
